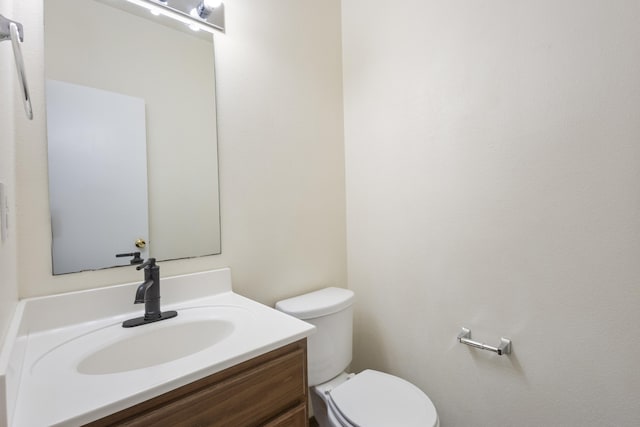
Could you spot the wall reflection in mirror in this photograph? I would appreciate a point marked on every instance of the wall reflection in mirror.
(131, 129)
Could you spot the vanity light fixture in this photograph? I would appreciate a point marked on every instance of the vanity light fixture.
(209, 14)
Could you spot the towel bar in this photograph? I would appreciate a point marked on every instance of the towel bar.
(11, 30)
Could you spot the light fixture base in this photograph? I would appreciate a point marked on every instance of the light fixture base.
(175, 14)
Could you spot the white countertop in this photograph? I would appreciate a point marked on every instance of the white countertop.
(54, 334)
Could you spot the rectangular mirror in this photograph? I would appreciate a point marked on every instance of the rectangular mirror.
(132, 134)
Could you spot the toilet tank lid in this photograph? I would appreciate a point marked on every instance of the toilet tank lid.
(316, 304)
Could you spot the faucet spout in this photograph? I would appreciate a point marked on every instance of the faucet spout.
(141, 292)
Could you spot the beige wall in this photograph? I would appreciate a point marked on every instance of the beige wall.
(281, 157)
(492, 157)
(8, 270)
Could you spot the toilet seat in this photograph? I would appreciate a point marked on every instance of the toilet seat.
(376, 399)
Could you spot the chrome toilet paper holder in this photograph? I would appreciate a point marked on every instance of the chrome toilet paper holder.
(464, 337)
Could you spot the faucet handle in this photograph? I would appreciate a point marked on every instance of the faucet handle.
(150, 262)
(136, 257)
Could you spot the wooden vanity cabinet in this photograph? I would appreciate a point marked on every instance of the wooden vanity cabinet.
(269, 390)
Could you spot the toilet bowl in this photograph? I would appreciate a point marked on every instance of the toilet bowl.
(367, 399)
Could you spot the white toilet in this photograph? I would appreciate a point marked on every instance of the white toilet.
(367, 399)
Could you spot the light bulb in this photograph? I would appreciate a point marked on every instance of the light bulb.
(205, 7)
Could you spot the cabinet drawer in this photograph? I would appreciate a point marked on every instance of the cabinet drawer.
(297, 417)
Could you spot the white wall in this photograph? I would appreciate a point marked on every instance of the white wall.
(8, 269)
(493, 169)
(281, 156)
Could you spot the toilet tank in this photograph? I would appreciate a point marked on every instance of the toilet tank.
(330, 310)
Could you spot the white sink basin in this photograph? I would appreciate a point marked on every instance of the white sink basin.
(156, 346)
(111, 349)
